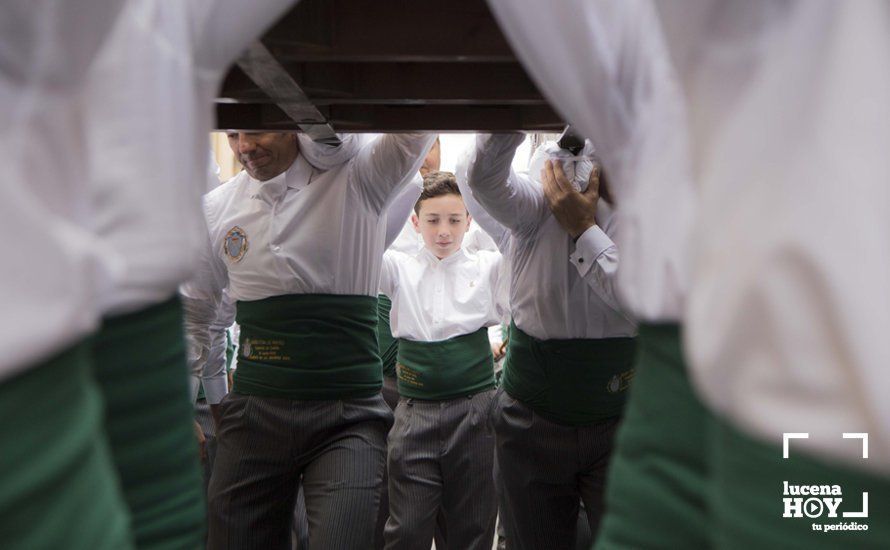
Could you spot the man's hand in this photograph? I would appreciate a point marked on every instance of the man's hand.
(497, 351)
(202, 441)
(575, 212)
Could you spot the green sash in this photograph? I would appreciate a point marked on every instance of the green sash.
(573, 382)
(659, 479)
(448, 369)
(388, 346)
(309, 347)
(58, 485)
(749, 492)
(140, 364)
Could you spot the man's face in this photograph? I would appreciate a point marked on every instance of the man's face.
(432, 161)
(442, 222)
(264, 155)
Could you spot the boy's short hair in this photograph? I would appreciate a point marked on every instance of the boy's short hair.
(437, 184)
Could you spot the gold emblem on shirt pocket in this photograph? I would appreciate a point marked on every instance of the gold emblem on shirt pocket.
(235, 244)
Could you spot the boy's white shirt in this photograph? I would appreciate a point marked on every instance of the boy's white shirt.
(434, 300)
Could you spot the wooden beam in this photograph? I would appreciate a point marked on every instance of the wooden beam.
(270, 76)
(389, 118)
(389, 30)
(399, 83)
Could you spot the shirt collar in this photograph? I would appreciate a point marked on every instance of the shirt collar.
(297, 176)
(427, 255)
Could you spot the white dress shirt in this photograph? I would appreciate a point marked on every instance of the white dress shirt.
(549, 298)
(53, 267)
(307, 232)
(789, 129)
(433, 299)
(150, 103)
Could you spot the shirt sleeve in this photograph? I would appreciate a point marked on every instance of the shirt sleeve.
(496, 230)
(510, 198)
(382, 168)
(596, 258)
(213, 372)
(401, 208)
(222, 29)
(48, 43)
(201, 299)
(389, 274)
(628, 101)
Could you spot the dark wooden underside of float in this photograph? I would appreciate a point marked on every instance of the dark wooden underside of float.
(383, 66)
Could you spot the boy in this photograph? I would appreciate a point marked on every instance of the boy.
(440, 447)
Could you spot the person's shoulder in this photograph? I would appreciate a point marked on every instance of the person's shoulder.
(227, 193)
(227, 189)
(486, 257)
(398, 258)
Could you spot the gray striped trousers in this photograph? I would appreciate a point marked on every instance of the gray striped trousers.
(265, 444)
(441, 458)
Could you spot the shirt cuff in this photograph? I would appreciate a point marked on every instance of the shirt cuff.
(589, 246)
(215, 389)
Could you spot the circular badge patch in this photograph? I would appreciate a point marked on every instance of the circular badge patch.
(235, 245)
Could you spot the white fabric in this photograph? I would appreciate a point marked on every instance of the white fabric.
(308, 232)
(596, 259)
(150, 103)
(790, 128)
(576, 168)
(549, 299)
(398, 211)
(53, 268)
(604, 66)
(325, 157)
(213, 172)
(433, 299)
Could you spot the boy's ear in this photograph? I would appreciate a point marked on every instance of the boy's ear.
(415, 221)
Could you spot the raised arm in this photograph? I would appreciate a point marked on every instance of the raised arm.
(222, 29)
(596, 259)
(383, 167)
(606, 68)
(512, 199)
(51, 43)
(398, 212)
(496, 230)
(589, 222)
